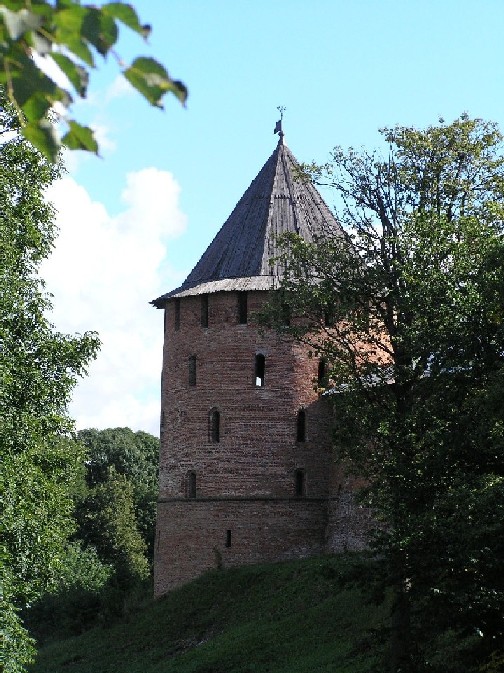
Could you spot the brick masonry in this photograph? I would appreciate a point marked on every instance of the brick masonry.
(260, 494)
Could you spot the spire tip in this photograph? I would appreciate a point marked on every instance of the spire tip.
(278, 125)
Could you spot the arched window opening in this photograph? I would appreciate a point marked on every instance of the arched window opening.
(204, 310)
(214, 430)
(301, 426)
(191, 484)
(322, 373)
(299, 483)
(242, 308)
(260, 368)
(176, 313)
(285, 314)
(329, 318)
(192, 370)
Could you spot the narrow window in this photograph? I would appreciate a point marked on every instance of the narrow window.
(214, 430)
(322, 373)
(176, 309)
(204, 310)
(242, 308)
(329, 318)
(192, 370)
(299, 483)
(260, 368)
(228, 538)
(191, 484)
(286, 314)
(301, 426)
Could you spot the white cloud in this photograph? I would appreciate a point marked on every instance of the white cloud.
(102, 135)
(102, 273)
(119, 88)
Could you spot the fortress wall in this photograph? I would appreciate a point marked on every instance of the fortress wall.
(246, 482)
(193, 535)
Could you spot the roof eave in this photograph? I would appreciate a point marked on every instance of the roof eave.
(247, 284)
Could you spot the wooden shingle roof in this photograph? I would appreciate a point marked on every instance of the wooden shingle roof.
(241, 256)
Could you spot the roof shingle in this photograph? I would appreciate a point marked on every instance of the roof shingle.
(241, 256)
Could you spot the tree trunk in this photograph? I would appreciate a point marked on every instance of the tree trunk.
(400, 641)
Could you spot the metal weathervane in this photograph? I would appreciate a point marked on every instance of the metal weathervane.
(278, 125)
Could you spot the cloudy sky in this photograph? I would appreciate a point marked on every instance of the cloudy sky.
(102, 273)
(135, 221)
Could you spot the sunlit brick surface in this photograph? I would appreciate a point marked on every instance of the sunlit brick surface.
(245, 482)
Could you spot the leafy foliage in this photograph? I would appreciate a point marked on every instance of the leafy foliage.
(75, 598)
(414, 291)
(38, 370)
(134, 455)
(71, 35)
(111, 555)
(106, 519)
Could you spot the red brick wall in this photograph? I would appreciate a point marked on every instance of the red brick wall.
(258, 452)
(192, 535)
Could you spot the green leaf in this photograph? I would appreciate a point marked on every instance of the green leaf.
(78, 76)
(18, 23)
(151, 79)
(179, 90)
(68, 28)
(36, 107)
(99, 29)
(15, 5)
(31, 87)
(127, 15)
(42, 136)
(28, 80)
(70, 18)
(78, 47)
(80, 138)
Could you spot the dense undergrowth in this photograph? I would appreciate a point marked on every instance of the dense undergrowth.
(296, 617)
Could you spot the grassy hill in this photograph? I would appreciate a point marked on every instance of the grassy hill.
(293, 617)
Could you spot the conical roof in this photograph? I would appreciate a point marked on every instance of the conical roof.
(241, 256)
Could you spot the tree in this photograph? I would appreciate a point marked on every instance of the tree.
(407, 309)
(71, 35)
(107, 522)
(38, 370)
(135, 455)
(110, 554)
(75, 601)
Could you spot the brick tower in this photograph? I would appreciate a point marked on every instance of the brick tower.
(246, 469)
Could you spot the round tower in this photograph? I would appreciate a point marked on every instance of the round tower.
(246, 469)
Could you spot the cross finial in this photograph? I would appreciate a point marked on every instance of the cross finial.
(278, 126)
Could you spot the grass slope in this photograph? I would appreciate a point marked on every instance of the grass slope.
(282, 618)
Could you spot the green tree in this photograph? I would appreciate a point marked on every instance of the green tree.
(407, 309)
(111, 551)
(107, 522)
(135, 455)
(75, 600)
(38, 370)
(72, 36)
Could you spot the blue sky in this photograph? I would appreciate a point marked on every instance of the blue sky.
(135, 221)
